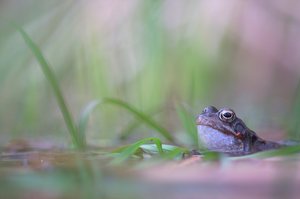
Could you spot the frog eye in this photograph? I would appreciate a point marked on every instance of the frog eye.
(227, 115)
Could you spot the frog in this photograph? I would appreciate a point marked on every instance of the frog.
(222, 131)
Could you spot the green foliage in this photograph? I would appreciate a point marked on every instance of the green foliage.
(140, 61)
(78, 134)
(141, 116)
(132, 149)
(188, 121)
(138, 114)
(49, 74)
(144, 66)
(140, 149)
(292, 119)
(83, 120)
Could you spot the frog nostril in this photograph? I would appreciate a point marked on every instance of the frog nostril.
(210, 109)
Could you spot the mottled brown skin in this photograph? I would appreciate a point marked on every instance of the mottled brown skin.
(224, 123)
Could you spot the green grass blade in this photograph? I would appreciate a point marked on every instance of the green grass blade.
(146, 119)
(131, 149)
(170, 151)
(49, 74)
(152, 149)
(83, 120)
(188, 122)
(84, 116)
(176, 153)
(292, 121)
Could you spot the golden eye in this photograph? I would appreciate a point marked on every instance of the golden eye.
(227, 115)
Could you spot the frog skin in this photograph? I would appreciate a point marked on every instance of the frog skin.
(222, 131)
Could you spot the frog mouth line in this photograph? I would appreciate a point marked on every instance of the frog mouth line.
(213, 125)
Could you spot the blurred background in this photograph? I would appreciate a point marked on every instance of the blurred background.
(155, 55)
